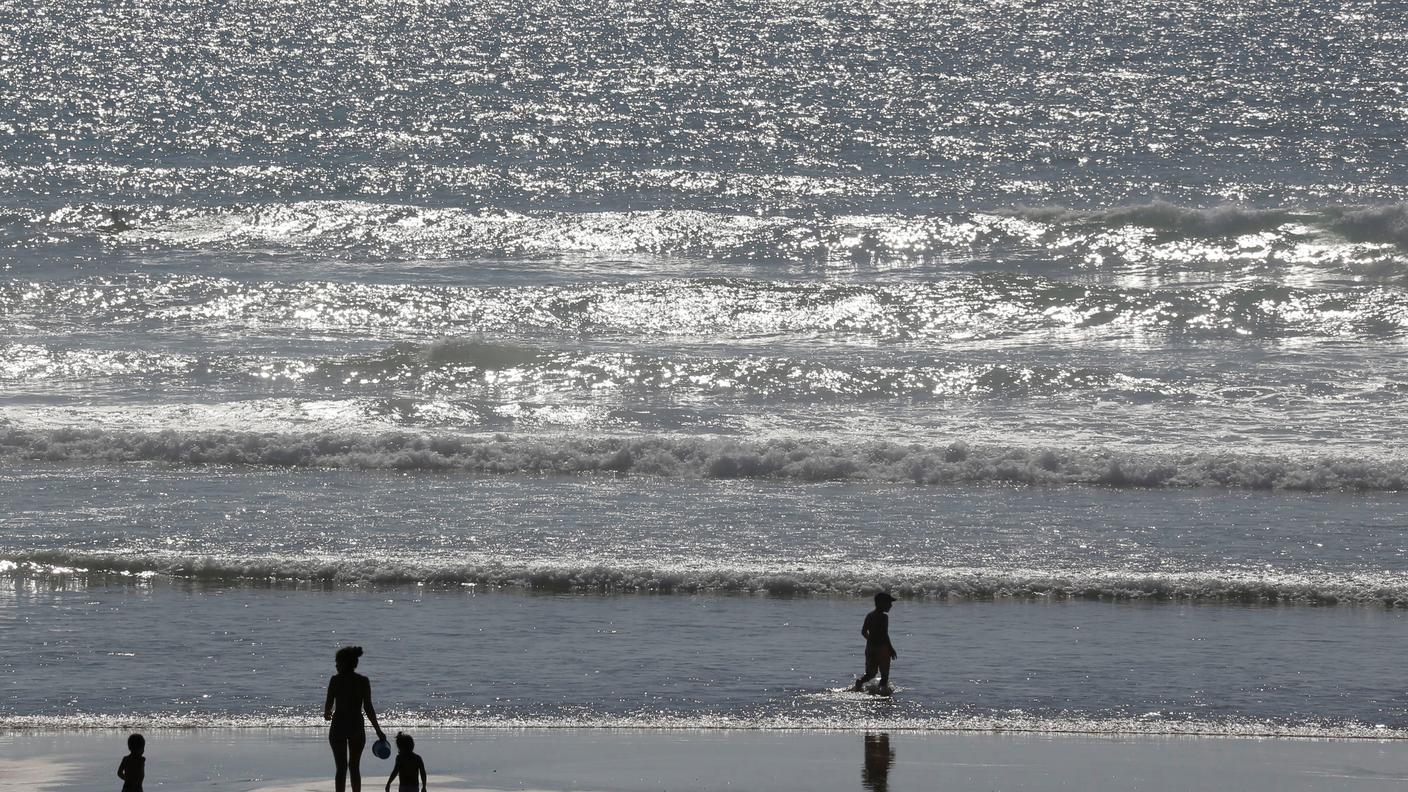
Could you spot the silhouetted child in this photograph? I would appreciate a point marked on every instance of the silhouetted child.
(408, 765)
(878, 649)
(134, 765)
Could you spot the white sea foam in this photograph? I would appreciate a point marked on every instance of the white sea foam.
(1227, 220)
(1229, 585)
(867, 719)
(710, 457)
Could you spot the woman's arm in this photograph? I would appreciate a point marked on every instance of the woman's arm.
(371, 711)
(327, 706)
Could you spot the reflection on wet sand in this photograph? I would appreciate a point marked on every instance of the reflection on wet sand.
(879, 758)
(35, 774)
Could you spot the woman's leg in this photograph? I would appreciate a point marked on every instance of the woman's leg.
(339, 758)
(356, 741)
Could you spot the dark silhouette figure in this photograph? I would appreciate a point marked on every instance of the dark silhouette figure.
(349, 694)
(878, 649)
(879, 758)
(117, 222)
(408, 765)
(133, 767)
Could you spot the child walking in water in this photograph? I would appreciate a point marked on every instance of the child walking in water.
(133, 768)
(408, 765)
(878, 649)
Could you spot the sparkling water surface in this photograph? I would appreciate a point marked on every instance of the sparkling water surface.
(509, 323)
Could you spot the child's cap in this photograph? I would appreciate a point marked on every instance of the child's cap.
(882, 597)
(136, 743)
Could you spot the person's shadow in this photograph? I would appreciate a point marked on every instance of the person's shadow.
(879, 758)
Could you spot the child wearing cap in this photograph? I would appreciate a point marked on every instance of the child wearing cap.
(878, 649)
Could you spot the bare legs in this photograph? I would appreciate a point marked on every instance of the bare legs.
(876, 661)
(347, 755)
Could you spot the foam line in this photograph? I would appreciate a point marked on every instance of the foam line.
(1262, 586)
(849, 720)
(710, 458)
(408, 231)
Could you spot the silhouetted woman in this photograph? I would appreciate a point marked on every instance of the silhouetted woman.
(349, 693)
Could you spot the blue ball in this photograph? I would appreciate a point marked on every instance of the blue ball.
(381, 748)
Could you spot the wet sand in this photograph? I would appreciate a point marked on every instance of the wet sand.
(549, 760)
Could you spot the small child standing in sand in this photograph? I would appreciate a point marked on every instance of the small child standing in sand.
(133, 768)
(408, 765)
(878, 649)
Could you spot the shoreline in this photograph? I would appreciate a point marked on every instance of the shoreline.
(1384, 736)
(1116, 728)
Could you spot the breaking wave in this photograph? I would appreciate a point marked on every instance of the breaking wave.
(1385, 224)
(983, 307)
(1366, 240)
(711, 457)
(956, 583)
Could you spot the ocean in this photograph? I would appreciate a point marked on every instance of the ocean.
(593, 366)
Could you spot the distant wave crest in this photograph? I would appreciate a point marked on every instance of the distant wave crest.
(1381, 223)
(963, 310)
(1315, 236)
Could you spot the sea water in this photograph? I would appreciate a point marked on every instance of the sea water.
(594, 366)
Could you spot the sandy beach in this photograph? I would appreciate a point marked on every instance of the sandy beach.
(289, 760)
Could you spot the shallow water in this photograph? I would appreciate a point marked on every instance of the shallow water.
(209, 656)
(615, 601)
